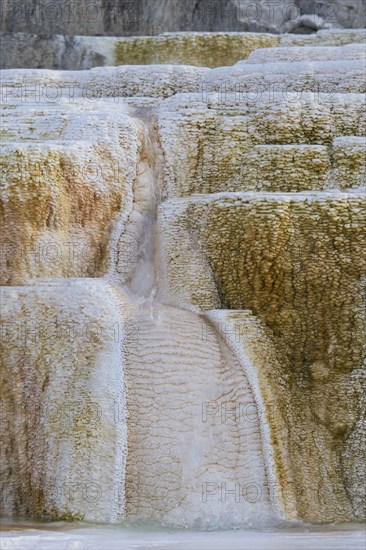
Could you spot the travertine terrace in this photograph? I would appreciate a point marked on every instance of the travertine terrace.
(183, 271)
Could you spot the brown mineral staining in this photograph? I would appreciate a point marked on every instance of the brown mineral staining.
(46, 203)
(60, 198)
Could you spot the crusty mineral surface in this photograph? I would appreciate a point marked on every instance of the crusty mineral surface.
(64, 450)
(183, 271)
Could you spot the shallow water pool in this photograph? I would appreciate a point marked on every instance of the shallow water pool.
(56, 536)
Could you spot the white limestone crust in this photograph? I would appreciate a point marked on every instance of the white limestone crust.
(63, 356)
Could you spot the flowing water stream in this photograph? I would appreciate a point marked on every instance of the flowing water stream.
(174, 456)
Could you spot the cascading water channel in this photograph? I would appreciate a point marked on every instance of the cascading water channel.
(142, 282)
(195, 450)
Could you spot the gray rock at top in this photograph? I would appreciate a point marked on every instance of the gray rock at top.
(151, 17)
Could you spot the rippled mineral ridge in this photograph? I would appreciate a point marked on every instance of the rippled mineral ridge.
(183, 271)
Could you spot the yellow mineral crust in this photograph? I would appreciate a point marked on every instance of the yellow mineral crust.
(199, 49)
(348, 159)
